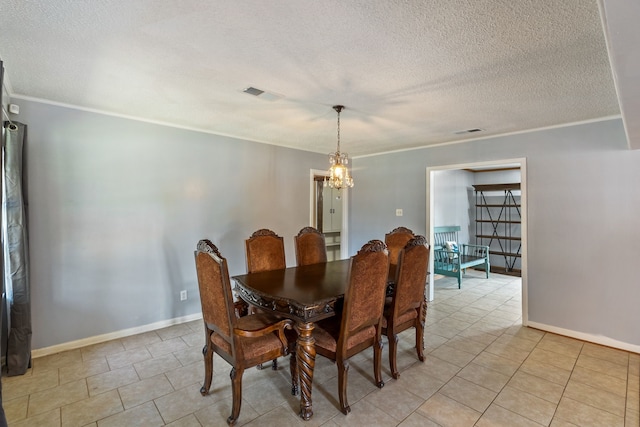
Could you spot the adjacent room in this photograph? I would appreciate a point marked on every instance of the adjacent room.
(147, 146)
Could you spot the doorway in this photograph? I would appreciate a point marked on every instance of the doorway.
(329, 213)
(431, 210)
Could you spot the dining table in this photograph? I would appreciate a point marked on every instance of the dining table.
(305, 294)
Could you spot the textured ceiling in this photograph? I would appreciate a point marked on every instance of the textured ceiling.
(410, 73)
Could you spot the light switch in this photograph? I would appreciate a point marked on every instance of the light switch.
(398, 212)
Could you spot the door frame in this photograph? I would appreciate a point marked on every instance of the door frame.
(344, 231)
(522, 162)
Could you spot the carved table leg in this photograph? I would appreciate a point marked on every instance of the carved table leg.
(306, 355)
(423, 315)
(420, 330)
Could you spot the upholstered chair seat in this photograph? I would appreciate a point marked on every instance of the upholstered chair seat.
(408, 316)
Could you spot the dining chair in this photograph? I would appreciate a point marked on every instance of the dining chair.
(359, 327)
(407, 308)
(264, 251)
(395, 241)
(310, 247)
(241, 341)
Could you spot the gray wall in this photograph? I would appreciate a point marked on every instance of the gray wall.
(117, 206)
(453, 201)
(583, 226)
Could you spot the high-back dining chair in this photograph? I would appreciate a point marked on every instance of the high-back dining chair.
(360, 325)
(242, 341)
(395, 241)
(407, 305)
(310, 247)
(264, 251)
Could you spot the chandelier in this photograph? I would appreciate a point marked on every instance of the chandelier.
(338, 172)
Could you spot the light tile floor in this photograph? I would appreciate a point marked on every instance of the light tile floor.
(482, 369)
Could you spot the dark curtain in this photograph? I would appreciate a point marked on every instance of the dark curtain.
(15, 250)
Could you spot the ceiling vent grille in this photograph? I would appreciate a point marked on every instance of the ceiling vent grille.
(262, 94)
(253, 91)
(460, 132)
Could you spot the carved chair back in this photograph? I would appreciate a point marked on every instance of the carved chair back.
(395, 241)
(264, 251)
(310, 247)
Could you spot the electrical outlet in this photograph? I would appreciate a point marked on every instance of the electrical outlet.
(183, 295)
(398, 212)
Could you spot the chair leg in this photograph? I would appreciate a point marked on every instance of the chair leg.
(207, 352)
(293, 367)
(420, 329)
(377, 363)
(393, 352)
(274, 365)
(420, 341)
(236, 387)
(343, 370)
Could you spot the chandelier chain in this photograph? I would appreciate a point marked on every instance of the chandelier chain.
(338, 131)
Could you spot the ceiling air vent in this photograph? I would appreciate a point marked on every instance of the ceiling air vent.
(460, 132)
(253, 91)
(267, 96)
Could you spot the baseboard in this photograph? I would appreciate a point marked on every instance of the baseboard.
(596, 339)
(72, 345)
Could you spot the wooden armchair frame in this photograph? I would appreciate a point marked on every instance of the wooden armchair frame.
(241, 341)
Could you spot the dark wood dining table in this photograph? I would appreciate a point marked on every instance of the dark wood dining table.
(305, 294)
